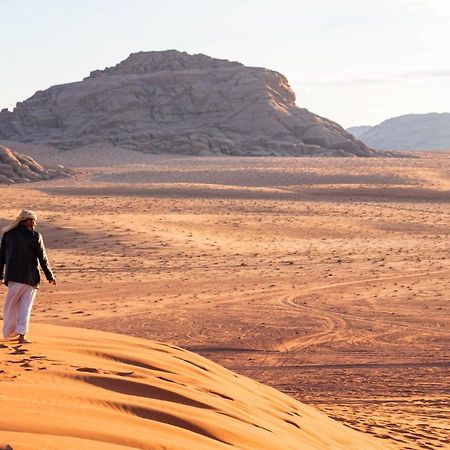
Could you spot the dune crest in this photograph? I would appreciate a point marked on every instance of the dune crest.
(78, 388)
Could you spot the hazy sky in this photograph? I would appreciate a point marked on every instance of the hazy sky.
(354, 61)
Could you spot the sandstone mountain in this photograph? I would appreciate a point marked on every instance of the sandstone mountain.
(409, 132)
(173, 102)
(19, 168)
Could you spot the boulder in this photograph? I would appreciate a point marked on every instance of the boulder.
(19, 168)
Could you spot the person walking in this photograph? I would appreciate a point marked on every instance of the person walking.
(21, 249)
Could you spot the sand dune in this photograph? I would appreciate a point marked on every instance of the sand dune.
(332, 288)
(74, 388)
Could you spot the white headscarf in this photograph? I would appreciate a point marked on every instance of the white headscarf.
(24, 215)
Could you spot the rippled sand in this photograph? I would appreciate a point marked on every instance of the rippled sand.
(325, 278)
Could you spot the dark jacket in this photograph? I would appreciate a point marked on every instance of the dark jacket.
(20, 251)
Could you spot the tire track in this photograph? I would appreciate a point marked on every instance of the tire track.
(336, 324)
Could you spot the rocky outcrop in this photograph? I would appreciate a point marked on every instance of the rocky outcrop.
(19, 168)
(172, 102)
(409, 132)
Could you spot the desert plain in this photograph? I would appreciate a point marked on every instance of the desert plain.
(325, 278)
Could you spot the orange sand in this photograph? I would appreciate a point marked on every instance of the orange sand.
(325, 278)
(75, 388)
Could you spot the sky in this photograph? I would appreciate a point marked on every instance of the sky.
(354, 62)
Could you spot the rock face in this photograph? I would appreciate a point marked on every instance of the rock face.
(172, 102)
(19, 168)
(410, 132)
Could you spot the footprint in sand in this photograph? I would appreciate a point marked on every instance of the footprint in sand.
(87, 369)
(18, 350)
(21, 361)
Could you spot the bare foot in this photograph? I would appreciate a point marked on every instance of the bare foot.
(24, 340)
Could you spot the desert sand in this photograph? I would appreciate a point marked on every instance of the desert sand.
(325, 278)
(97, 390)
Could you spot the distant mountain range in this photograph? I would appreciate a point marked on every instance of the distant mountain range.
(409, 132)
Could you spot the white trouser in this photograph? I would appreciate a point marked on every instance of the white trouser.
(17, 309)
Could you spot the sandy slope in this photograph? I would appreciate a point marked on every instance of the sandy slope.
(74, 388)
(328, 279)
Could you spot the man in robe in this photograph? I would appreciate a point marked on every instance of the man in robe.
(21, 249)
